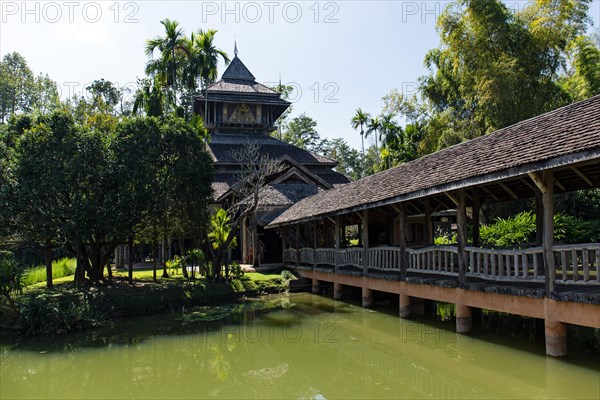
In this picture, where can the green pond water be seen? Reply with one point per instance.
(289, 346)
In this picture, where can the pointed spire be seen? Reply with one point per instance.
(235, 50)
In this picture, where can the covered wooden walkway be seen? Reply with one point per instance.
(393, 214)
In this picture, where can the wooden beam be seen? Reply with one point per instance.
(488, 191)
(508, 190)
(452, 197)
(415, 208)
(560, 185)
(539, 182)
(526, 183)
(583, 176)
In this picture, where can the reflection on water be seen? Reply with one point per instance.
(291, 346)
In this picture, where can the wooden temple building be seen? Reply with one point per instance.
(553, 153)
(237, 110)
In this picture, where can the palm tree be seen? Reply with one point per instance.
(202, 60)
(389, 132)
(373, 127)
(361, 119)
(170, 46)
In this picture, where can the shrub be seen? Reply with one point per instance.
(445, 239)
(176, 264)
(44, 313)
(520, 230)
(11, 277)
(236, 270)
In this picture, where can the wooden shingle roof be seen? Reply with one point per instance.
(567, 135)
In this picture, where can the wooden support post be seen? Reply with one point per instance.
(315, 286)
(548, 236)
(365, 235)
(461, 223)
(337, 232)
(402, 239)
(556, 338)
(337, 291)
(476, 210)
(545, 183)
(463, 319)
(539, 217)
(367, 297)
(404, 303)
(428, 223)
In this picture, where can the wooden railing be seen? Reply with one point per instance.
(434, 259)
(307, 256)
(384, 258)
(350, 257)
(499, 264)
(325, 257)
(289, 256)
(577, 263)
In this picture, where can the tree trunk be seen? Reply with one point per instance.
(130, 272)
(154, 262)
(182, 248)
(164, 252)
(48, 256)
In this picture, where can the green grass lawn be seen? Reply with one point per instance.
(145, 275)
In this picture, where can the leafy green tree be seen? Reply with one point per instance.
(583, 80)
(104, 96)
(350, 161)
(17, 86)
(302, 133)
(496, 67)
(44, 150)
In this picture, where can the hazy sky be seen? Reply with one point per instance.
(339, 55)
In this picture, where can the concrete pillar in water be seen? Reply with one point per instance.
(556, 338)
(337, 291)
(367, 297)
(315, 286)
(463, 319)
(404, 306)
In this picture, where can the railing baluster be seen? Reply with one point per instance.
(493, 259)
(597, 251)
(516, 261)
(586, 264)
(564, 264)
(525, 265)
(575, 265)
